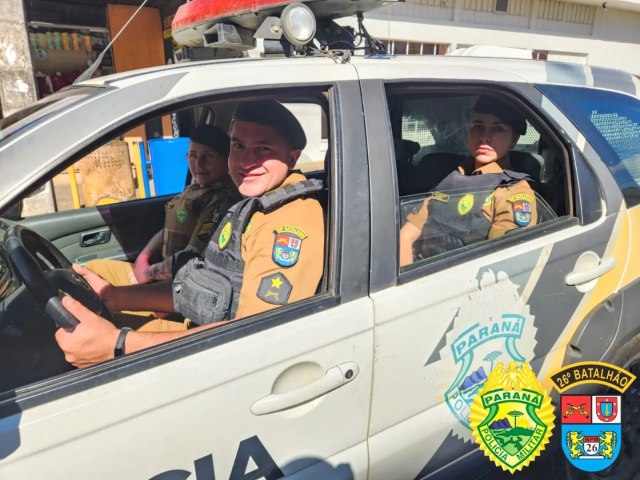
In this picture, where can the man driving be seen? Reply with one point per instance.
(267, 251)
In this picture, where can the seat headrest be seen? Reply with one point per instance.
(525, 162)
(405, 149)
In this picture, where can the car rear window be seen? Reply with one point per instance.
(611, 123)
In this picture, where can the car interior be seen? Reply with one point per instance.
(430, 141)
(48, 243)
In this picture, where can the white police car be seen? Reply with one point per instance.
(373, 376)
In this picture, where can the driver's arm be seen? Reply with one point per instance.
(94, 338)
(150, 296)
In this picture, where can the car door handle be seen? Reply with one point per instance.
(335, 377)
(576, 278)
(97, 237)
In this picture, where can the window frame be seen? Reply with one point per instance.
(538, 121)
(342, 102)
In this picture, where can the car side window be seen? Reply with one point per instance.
(150, 160)
(611, 121)
(290, 258)
(449, 201)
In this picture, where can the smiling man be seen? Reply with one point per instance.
(483, 198)
(267, 251)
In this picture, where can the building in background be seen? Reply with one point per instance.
(591, 32)
(46, 43)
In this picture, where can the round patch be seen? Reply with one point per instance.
(465, 204)
(225, 236)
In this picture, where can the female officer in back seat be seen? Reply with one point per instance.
(483, 198)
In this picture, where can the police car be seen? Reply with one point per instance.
(372, 377)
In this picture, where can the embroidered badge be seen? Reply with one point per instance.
(520, 196)
(205, 231)
(274, 289)
(181, 214)
(587, 443)
(441, 197)
(521, 213)
(287, 245)
(512, 417)
(591, 424)
(465, 204)
(225, 236)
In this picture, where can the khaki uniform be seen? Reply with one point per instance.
(191, 217)
(303, 216)
(270, 277)
(499, 212)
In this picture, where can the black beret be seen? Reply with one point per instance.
(212, 137)
(273, 114)
(504, 112)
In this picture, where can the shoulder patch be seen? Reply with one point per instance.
(521, 213)
(274, 289)
(205, 230)
(520, 196)
(287, 245)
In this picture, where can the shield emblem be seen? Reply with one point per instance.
(590, 445)
(606, 408)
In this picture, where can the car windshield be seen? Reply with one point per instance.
(19, 120)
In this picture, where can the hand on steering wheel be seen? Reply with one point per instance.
(48, 275)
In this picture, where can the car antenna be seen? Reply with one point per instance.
(96, 63)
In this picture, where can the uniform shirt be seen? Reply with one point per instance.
(263, 273)
(192, 216)
(498, 212)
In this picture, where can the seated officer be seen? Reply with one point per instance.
(483, 198)
(267, 251)
(190, 217)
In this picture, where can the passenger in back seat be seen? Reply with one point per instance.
(483, 198)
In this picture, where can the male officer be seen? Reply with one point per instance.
(190, 217)
(267, 251)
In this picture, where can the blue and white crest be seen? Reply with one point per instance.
(591, 442)
(287, 245)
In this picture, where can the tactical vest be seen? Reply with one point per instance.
(208, 290)
(455, 211)
(181, 217)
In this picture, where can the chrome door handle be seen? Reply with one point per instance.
(96, 237)
(334, 378)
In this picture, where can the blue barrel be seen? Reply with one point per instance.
(169, 165)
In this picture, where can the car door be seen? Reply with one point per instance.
(449, 320)
(286, 392)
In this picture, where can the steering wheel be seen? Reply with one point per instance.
(48, 275)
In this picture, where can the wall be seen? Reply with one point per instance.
(613, 39)
(17, 87)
